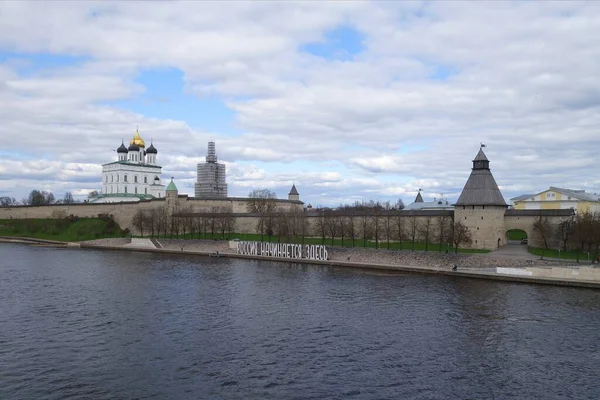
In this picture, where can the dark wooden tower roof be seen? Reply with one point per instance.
(481, 188)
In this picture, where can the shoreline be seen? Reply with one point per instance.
(472, 273)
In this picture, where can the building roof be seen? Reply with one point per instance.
(430, 205)
(293, 191)
(578, 195)
(481, 156)
(122, 148)
(133, 164)
(171, 187)
(151, 149)
(481, 188)
(137, 140)
(522, 197)
(419, 198)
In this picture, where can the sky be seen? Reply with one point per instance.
(346, 100)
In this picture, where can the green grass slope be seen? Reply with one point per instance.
(65, 229)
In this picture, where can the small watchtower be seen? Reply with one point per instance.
(293, 195)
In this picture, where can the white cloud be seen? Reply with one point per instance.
(520, 77)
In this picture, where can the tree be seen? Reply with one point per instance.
(321, 225)
(40, 198)
(264, 203)
(399, 205)
(443, 229)
(400, 230)
(543, 227)
(351, 228)
(331, 224)
(413, 230)
(460, 235)
(425, 230)
(68, 199)
(6, 201)
(564, 231)
(139, 221)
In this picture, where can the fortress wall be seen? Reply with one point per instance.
(124, 212)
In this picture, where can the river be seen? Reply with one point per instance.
(111, 324)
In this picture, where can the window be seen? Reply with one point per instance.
(117, 178)
(145, 190)
(111, 178)
(145, 179)
(106, 178)
(136, 190)
(125, 178)
(135, 179)
(125, 189)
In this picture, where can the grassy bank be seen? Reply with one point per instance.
(564, 255)
(63, 229)
(407, 245)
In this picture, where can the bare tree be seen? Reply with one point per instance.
(388, 222)
(264, 203)
(443, 229)
(331, 224)
(400, 229)
(351, 228)
(460, 235)
(582, 231)
(564, 231)
(321, 225)
(139, 221)
(399, 205)
(40, 198)
(426, 230)
(68, 199)
(543, 228)
(413, 230)
(6, 201)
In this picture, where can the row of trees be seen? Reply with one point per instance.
(219, 222)
(358, 224)
(579, 233)
(37, 198)
(365, 221)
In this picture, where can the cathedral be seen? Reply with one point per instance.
(133, 176)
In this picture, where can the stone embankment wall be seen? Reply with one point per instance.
(367, 256)
(429, 259)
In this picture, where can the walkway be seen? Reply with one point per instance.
(514, 250)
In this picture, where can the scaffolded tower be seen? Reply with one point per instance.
(210, 182)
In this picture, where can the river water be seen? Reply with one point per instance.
(105, 325)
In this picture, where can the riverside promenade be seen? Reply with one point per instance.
(474, 266)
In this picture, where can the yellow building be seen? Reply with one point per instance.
(557, 199)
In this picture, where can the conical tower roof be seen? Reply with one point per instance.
(481, 188)
(171, 187)
(419, 198)
(293, 191)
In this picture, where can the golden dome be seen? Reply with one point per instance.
(137, 140)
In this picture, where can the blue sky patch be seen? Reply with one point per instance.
(165, 97)
(29, 64)
(341, 43)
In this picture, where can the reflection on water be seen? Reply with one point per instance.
(91, 324)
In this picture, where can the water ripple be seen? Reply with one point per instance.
(102, 325)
